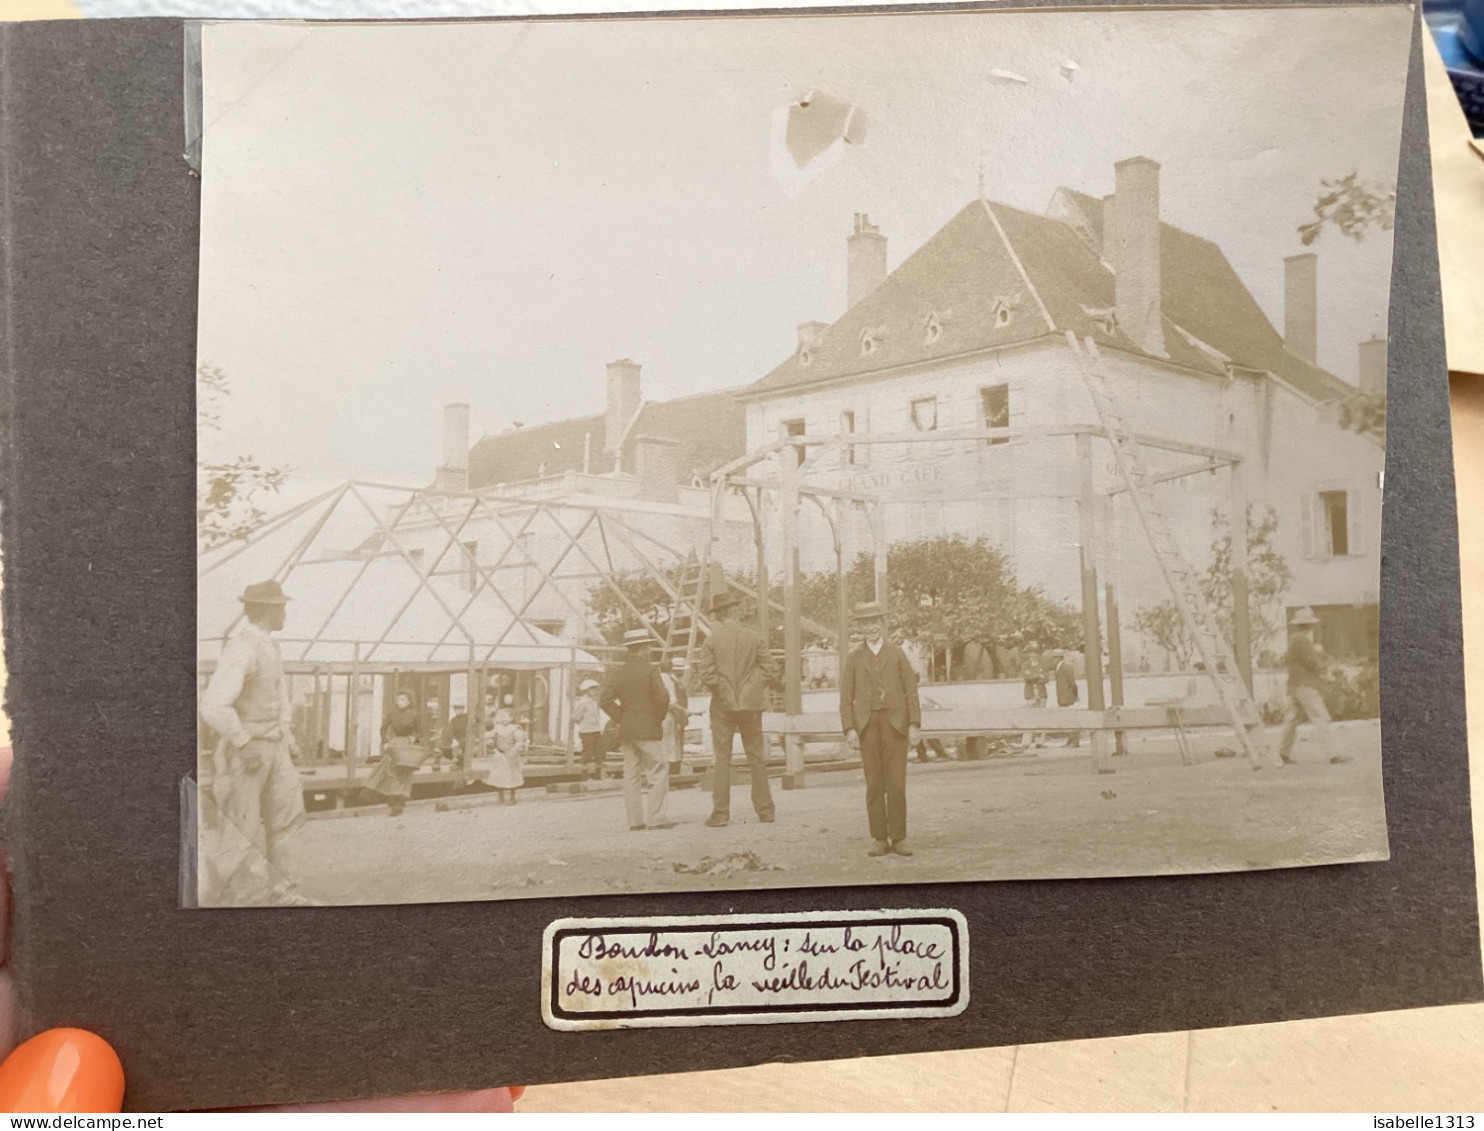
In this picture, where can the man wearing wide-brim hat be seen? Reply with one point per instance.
(880, 712)
(735, 665)
(254, 803)
(1305, 702)
(634, 696)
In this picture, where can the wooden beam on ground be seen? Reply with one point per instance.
(1017, 720)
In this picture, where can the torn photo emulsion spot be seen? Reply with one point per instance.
(718, 453)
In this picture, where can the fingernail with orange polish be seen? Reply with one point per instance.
(62, 1071)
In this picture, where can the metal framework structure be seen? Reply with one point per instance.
(422, 586)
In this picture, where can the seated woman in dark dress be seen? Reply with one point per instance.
(404, 747)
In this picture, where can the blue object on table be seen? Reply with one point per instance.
(1457, 28)
(1471, 30)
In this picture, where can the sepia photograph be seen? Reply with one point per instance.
(658, 454)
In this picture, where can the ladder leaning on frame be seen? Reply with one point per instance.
(1190, 599)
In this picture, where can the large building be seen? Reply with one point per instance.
(970, 333)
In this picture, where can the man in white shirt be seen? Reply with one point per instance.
(254, 802)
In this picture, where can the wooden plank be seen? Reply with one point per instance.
(981, 720)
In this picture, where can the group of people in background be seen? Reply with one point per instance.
(1037, 670)
(407, 745)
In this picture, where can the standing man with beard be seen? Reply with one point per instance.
(254, 789)
(881, 713)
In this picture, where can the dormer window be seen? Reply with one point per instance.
(932, 329)
(869, 342)
(805, 357)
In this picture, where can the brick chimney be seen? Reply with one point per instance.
(1110, 218)
(1133, 253)
(1301, 306)
(453, 474)
(623, 402)
(1373, 366)
(657, 467)
(865, 259)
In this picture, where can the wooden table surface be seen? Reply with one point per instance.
(1424, 1060)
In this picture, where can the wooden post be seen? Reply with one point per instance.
(879, 551)
(311, 723)
(569, 727)
(763, 618)
(1115, 662)
(1091, 635)
(793, 679)
(322, 700)
(471, 710)
(353, 716)
(842, 595)
(322, 735)
(1241, 606)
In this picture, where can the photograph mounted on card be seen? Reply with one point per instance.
(689, 454)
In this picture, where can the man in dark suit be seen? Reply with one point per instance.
(880, 714)
(735, 665)
(634, 697)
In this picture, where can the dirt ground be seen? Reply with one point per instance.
(1046, 816)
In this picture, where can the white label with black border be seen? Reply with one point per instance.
(754, 969)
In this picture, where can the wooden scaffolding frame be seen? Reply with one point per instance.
(1105, 715)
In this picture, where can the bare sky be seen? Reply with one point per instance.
(396, 217)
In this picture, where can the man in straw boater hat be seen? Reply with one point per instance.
(255, 800)
(1305, 665)
(735, 665)
(634, 696)
(880, 713)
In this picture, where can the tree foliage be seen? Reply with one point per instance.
(1365, 413)
(945, 592)
(1352, 207)
(1267, 580)
(950, 590)
(227, 491)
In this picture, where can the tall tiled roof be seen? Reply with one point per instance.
(996, 276)
(711, 429)
(517, 455)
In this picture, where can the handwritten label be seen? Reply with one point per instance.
(754, 969)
